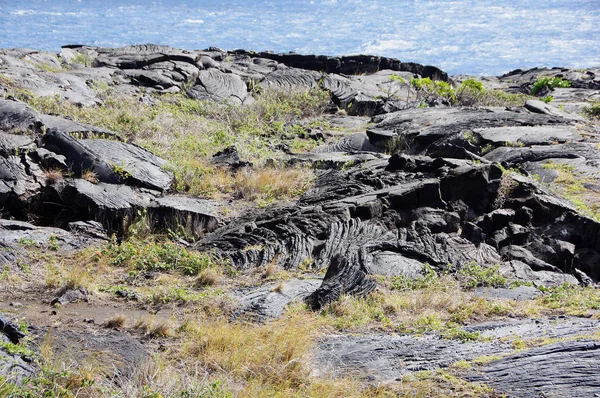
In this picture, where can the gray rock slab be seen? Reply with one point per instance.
(196, 216)
(426, 126)
(13, 233)
(16, 115)
(142, 166)
(270, 301)
(358, 142)
(519, 293)
(565, 369)
(117, 353)
(525, 135)
(11, 144)
(387, 357)
(333, 160)
(217, 86)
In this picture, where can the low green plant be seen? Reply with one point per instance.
(152, 255)
(545, 82)
(570, 298)
(472, 275)
(455, 333)
(27, 242)
(428, 89)
(428, 279)
(547, 99)
(53, 243)
(570, 184)
(82, 59)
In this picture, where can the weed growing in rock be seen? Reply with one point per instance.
(592, 111)
(82, 59)
(53, 176)
(548, 83)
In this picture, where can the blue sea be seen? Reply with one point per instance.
(460, 36)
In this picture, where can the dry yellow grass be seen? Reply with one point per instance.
(273, 353)
(117, 321)
(261, 184)
(268, 184)
(53, 176)
(208, 277)
(90, 176)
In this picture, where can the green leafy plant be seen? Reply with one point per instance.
(27, 242)
(550, 83)
(472, 275)
(53, 243)
(429, 89)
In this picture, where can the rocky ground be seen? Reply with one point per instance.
(214, 223)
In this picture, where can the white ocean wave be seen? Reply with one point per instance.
(388, 45)
(22, 12)
(194, 21)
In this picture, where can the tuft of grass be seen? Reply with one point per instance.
(208, 277)
(570, 299)
(53, 176)
(271, 184)
(592, 111)
(263, 185)
(439, 383)
(82, 59)
(570, 185)
(90, 176)
(117, 321)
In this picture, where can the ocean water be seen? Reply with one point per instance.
(460, 36)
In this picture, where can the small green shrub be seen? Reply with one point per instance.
(473, 275)
(471, 84)
(548, 83)
(547, 99)
(428, 89)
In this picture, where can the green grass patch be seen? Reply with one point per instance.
(153, 255)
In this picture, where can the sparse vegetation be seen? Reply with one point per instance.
(548, 83)
(53, 176)
(592, 111)
(187, 132)
(117, 321)
(471, 92)
(151, 255)
(90, 176)
(570, 184)
(82, 59)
